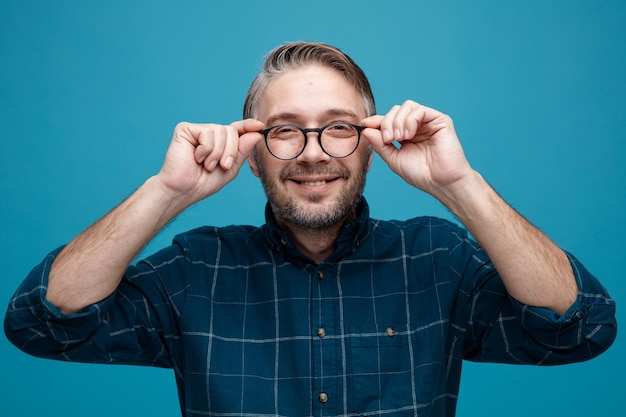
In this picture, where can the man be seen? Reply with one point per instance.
(323, 310)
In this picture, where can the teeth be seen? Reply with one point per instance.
(313, 183)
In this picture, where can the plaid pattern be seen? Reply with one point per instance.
(252, 327)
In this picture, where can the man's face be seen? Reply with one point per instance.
(314, 190)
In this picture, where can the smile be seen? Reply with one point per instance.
(314, 177)
(312, 183)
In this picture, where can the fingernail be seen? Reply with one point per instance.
(406, 133)
(386, 134)
(211, 165)
(398, 134)
(228, 163)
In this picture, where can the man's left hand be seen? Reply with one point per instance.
(419, 144)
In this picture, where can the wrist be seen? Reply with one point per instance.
(468, 197)
(160, 201)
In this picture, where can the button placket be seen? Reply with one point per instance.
(324, 347)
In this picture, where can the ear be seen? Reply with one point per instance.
(253, 165)
(370, 158)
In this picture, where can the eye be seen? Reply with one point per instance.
(284, 132)
(340, 130)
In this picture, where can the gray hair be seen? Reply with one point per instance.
(299, 54)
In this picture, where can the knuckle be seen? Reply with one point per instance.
(446, 118)
(207, 147)
(181, 127)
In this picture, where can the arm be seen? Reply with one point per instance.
(201, 159)
(533, 269)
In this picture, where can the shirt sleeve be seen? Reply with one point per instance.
(131, 326)
(505, 330)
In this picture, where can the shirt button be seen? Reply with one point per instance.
(321, 332)
(323, 397)
(320, 275)
(391, 332)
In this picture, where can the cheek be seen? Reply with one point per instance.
(363, 160)
(258, 160)
(266, 167)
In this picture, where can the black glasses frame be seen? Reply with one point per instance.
(317, 130)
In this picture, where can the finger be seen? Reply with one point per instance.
(376, 140)
(406, 120)
(231, 147)
(247, 142)
(430, 122)
(386, 126)
(249, 136)
(187, 132)
(203, 144)
(212, 142)
(372, 121)
(374, 136)
(247, 125)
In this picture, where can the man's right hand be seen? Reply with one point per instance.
(203, 158)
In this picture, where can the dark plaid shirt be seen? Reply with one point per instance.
(251, 326)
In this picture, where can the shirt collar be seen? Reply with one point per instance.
(349, 240)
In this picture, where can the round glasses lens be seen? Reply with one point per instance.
(285, 142)
(339, 139)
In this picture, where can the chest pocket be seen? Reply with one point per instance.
(392, 370)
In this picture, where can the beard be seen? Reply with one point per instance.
(312, 213)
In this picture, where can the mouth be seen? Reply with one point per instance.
(314, 183)
(314, 178)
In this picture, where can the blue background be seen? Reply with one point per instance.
(90, 92)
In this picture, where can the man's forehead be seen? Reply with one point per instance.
(310, 91)
(302, 117)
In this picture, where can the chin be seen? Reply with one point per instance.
(314, 214)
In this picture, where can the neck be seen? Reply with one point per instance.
(316, 243)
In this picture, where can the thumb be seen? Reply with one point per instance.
(249, 136)
(373, 121)
(247, 142)
(247, 125)
(387, 151)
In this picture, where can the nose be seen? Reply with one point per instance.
(313, 152)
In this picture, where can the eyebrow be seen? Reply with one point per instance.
(298, 118)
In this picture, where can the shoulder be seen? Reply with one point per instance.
(211, 232)
(218, 235)
(423, 234)
(418, 225)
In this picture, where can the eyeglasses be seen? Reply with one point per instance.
(337, 140)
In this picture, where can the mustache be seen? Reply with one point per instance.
(340, 172)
